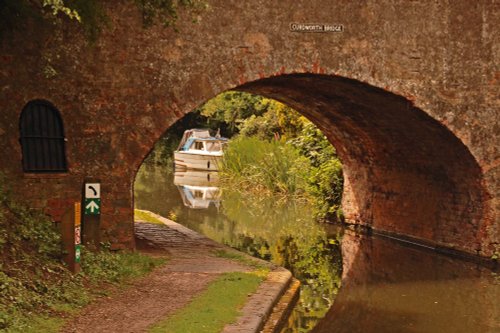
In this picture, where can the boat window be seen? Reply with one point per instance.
(213, 146)
(42, 138)
(198, 145)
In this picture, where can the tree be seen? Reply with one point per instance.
(58, 6)
(90, 13)
(253, 115)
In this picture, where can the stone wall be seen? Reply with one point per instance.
(408, 93)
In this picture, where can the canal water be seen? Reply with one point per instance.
(350, 282)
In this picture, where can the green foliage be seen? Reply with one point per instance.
(214, 308)
(259, 160)
(325, 187)
(166, 11)
(58, 6)
(252, 115)
(34, 284)
(325, 175)
(15, 13)
(313, 144)
(267, 166)
(279, 121)
(24, 229)
(232, 107)
(116, 267)
(275, 167)
(92, 16)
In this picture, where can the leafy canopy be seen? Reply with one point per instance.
(253, 115)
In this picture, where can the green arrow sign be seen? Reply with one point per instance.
(92, 206)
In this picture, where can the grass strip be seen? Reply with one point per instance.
(216, 307)
(142, 216)
(240, 258)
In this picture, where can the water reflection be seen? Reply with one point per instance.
(198, 189)
(390, 287)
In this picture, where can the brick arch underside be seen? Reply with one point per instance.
(405, 173)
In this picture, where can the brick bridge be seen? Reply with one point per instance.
(407, 93)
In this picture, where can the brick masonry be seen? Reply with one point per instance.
(408, 94)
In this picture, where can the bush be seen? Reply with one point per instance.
(326, 185)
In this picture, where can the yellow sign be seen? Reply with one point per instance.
(78, 213)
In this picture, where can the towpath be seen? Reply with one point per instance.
(192, 265)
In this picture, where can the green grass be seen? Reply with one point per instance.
(38, 324)
(304, 168)
(140, 216)
(216, 307)
(240, 258)
(117, 267)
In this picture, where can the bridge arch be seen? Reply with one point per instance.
(425, 152)
(405, 173)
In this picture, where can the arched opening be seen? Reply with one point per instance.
(258, 202)
(406, 174)
(42, 138)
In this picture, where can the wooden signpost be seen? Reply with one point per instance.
(78, 233)
(80, 225)
(71, 232)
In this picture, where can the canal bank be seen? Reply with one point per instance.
(194, 263)
(283, 232)
(350, 282)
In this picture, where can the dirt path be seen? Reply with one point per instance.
(150, 299)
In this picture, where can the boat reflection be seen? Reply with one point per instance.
(198, 189)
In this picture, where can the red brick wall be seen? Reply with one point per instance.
(420, 154)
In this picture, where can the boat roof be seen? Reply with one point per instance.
(197, 134)
(210, 139)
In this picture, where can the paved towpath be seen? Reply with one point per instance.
(192, 265)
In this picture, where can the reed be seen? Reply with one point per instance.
(265, 166)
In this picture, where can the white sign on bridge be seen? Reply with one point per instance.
(316, 27)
